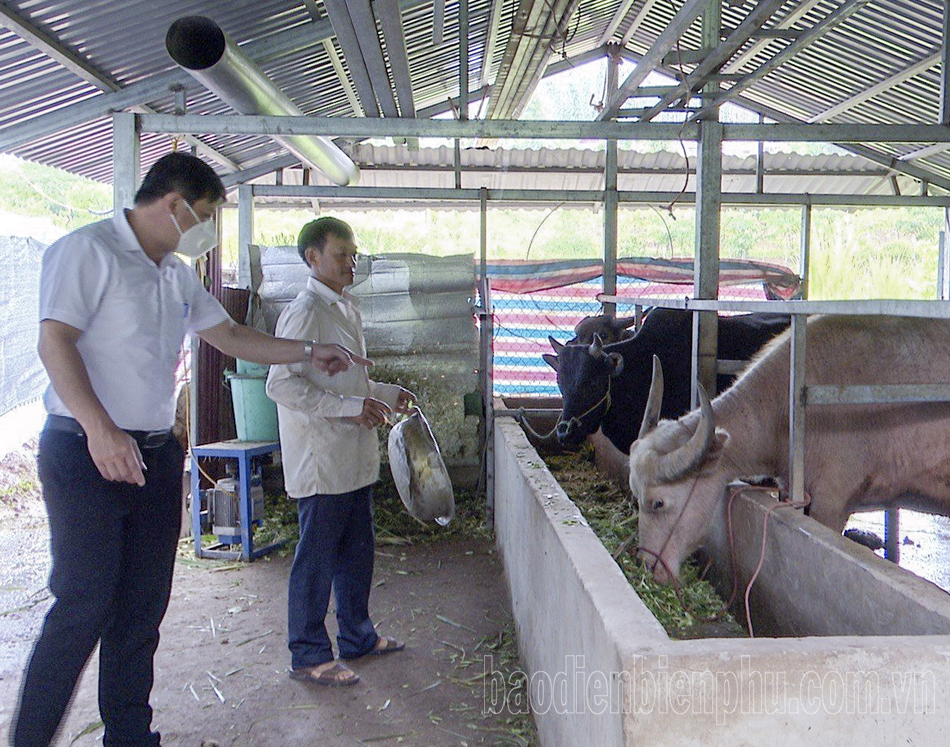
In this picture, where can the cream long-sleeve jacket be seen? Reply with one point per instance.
(322, 451)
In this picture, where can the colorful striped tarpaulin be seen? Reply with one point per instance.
(533, 300)
(525, 276)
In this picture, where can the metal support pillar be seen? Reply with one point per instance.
(194, 343)
(891, 517)
(706, 263)
(490, 450)
(804, 257)
(126, 166)
(796, 412)
(760, 163)
(245, 233)
(611, 200)
(945, 68)
(942, 266)
(892, 532)
(486, 361)
(483, 233)
(946, 234)
(463, 59)
(463, 85)
(708, 210)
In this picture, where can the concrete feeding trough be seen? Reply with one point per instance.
(861, 653)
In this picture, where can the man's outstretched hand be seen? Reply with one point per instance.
(334, 359)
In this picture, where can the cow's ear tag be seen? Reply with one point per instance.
(615, 361)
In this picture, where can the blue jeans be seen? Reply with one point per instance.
(113, 546)
(336, 549)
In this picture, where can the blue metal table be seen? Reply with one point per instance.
(243, 452)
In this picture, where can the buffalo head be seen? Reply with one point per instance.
(583, 376)
(609, 328)
(676, 479)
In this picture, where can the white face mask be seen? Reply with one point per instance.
(198, 240)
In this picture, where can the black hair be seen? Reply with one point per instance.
(314, 234)
(188, 175)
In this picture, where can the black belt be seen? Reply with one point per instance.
(145, 439)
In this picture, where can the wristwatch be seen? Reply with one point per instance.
(308, 349)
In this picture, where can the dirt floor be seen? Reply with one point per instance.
(221, 668)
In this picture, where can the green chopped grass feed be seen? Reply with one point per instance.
(613, 520)
(394, 525)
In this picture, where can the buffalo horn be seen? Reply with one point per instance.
(688, 457)
(651, 415)
(596, 348)
(555, 344)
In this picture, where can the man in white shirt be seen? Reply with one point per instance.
(115, 305)
(330, 453)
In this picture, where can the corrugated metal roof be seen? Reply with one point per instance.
(558, 169)
(125, 42)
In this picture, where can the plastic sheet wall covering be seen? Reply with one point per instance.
(22, 376)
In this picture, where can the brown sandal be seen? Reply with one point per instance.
(390, 646)
(330, 677)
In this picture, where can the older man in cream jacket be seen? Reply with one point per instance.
(330, 453)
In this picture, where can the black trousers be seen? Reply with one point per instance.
(113, 548)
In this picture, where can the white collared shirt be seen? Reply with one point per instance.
(322, 450)
(133, 315)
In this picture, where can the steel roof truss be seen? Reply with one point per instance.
(227, 124)
(842, 13)
(719, 56)
(341, 75)
(945, 68)
(438, 22)
(364, 23)
(339, 14)
(80, 67)
(789, 20)
(875, 156)
(615, 22)
(683, 19)
(154, 87)
(930, 150)
(273, 164)
(637, 21)
(390, 19)
(491, 41)
(53, 49)
(523, 46)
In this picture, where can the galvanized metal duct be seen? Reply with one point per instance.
(202, 48)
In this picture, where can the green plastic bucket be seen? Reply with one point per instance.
(251, 369)
(255, 415)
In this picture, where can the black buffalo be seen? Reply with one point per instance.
(584, 370)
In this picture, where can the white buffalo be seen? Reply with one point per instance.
(857, 457)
